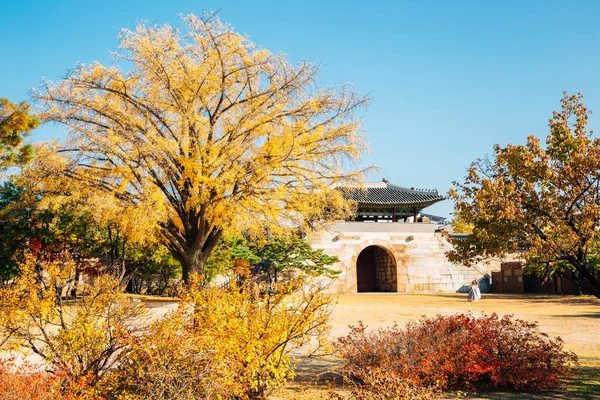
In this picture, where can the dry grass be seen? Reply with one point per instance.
(574, 318)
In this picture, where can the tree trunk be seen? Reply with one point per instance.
(194, 257)
(191, 265)
(191, 240)
(592, 279)
(582, 271)
(130, 288)
(577, 282)
(73, 294)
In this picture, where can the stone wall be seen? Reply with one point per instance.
(418, 251)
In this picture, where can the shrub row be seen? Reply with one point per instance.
(220, 343)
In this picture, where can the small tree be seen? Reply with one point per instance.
(539, 201)
(232, 255)
(293, 253)
(270, 258)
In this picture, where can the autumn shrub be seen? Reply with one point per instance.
(226, 343)
(458, 352)
(78, 341)
(167, 363)
(379, 384)
(24, 381)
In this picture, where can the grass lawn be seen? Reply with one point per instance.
(574, 318)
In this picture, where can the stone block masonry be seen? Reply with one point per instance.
(396, 257)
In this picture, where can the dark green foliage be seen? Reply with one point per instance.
(150, 269)
(14, 229)
(270, 259)
(24, 225)
(289, 253)
(231, 254)
(15, 123)
(71, 231)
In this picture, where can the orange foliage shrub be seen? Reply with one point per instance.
(457, 352)
(26, 382)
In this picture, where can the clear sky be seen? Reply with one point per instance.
(448, 79)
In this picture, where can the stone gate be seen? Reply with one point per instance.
(390, 245)
(396, 257)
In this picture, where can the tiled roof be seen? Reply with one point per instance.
(380, 194)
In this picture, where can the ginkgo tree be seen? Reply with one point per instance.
(211, 131)
(541, 202)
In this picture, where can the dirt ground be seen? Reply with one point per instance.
(574, 318)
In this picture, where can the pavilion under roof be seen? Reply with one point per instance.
(385, 201)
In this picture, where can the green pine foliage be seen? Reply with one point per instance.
(16, 122)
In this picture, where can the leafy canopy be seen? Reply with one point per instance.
(294, 253)
(539, 201)
(214, 133)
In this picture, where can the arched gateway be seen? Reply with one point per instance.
(376, 270)
(390, 245)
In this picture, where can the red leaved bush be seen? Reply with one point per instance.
(459, 352)
(28, 382)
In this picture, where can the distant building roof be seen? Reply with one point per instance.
(435, 218)
(384, 194)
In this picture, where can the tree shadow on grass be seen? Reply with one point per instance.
(587, 382)
(584, 386)
(534, 298)
(320, 373)
(592, 315)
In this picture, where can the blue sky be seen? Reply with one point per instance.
(448, 79)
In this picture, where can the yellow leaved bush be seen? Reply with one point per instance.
(227, 343)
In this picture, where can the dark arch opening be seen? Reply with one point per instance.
(376, 270)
